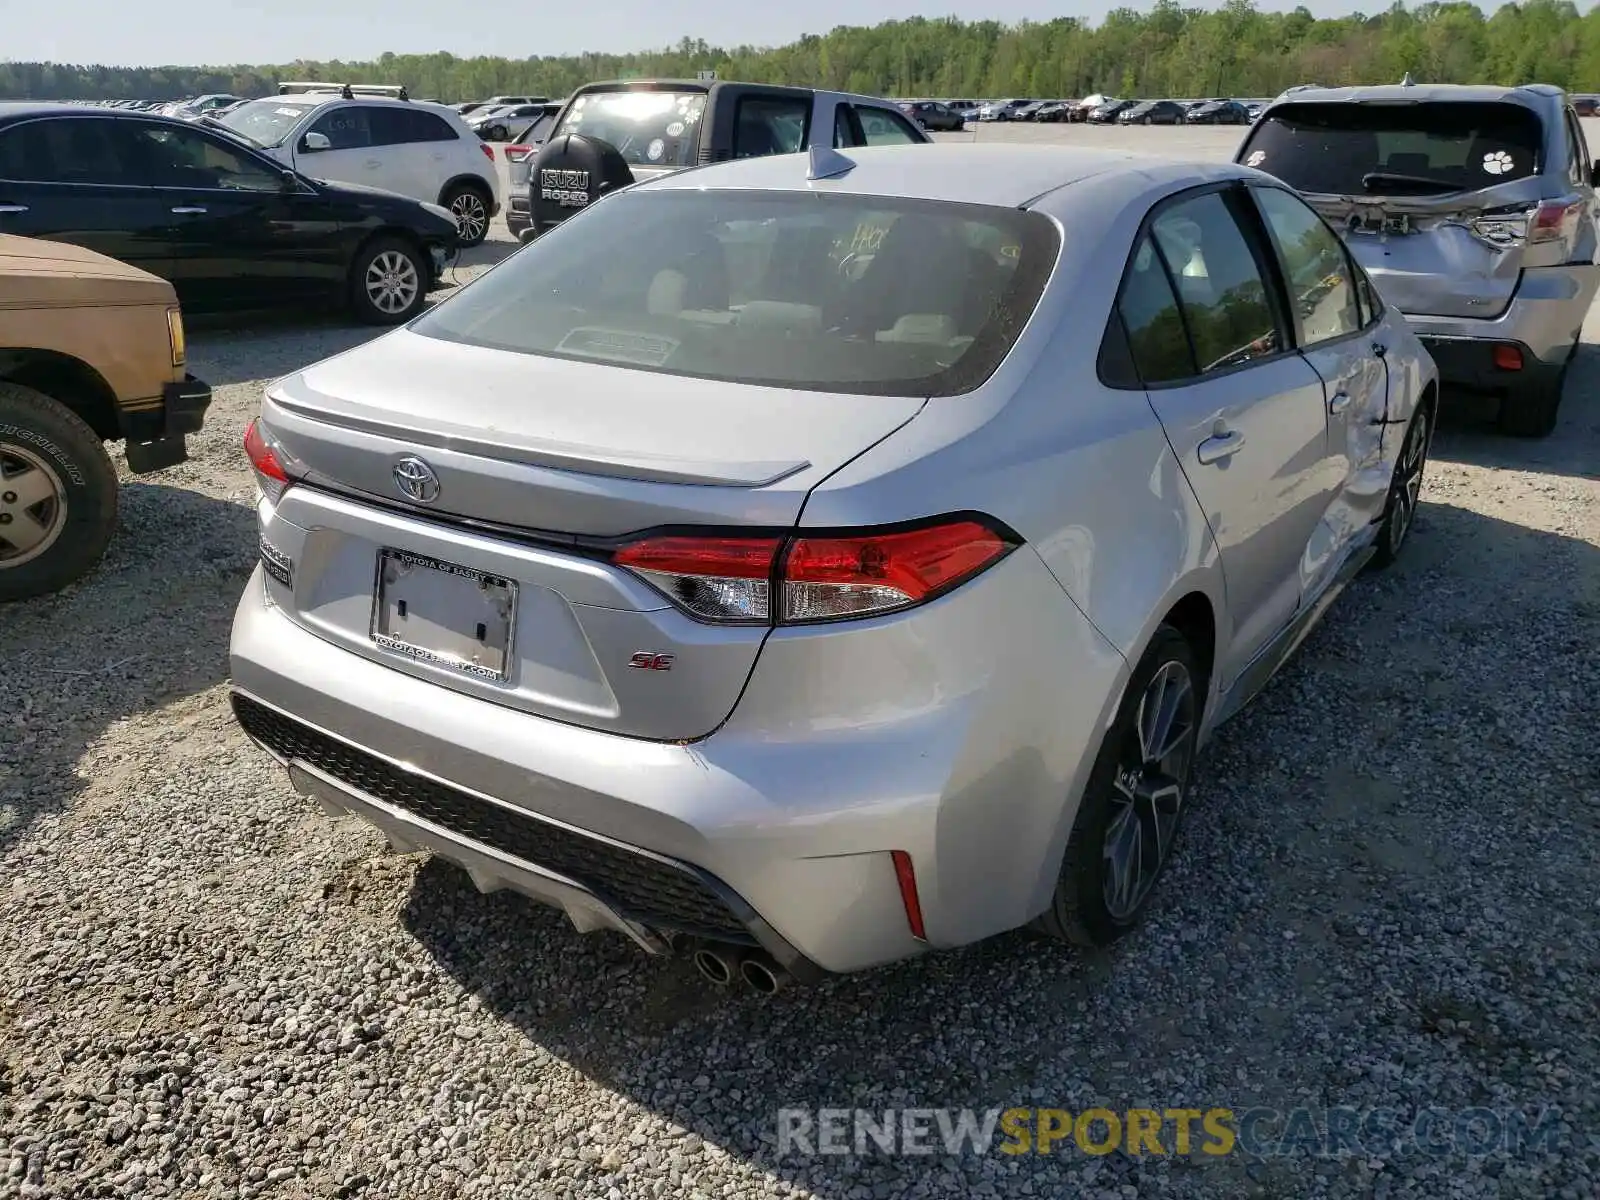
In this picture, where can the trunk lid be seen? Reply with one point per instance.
(535, 458)
(1455, 255)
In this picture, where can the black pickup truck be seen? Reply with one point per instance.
(609, 135)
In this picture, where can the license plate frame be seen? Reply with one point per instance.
(407, 624)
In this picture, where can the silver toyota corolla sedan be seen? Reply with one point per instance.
(808, 561)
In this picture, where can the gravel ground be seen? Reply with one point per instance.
(1386, 898)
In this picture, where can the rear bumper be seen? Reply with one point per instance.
(1544, 319)
(518, 214)
(154, 436)
(1469, 363)
(775, 830)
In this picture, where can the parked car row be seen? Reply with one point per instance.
(370, 136)
(227, 219)
(1095, 108)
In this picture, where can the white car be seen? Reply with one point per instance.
(376, 137)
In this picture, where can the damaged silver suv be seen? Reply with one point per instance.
(1473, 210)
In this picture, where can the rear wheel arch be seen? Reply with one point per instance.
(70, 382)
(476, 182)
(1194, 617)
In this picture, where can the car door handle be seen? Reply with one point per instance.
(373, 164)
(13, 208)
(1219, 447)
(1338, 402)
(188, 209)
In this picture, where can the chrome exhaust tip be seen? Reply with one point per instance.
(763, 975)
(714, 966)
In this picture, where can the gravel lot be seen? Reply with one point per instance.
(1386, 899)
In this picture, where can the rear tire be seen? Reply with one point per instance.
(388, 282)
(1405, 491)
(1531, 412)
(470, 207)
(58, 495)
(1131, 808)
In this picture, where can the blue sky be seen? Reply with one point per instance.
(143, 33)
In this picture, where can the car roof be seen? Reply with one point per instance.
(1005, 174)
(1531, 93)
(39, 108)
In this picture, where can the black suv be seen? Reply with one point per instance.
(229, 227)
(609, 135)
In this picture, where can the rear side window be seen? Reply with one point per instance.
(1219, 283)
(1156, 336)
(402, 126)
(347, 127)
(1316, 269)
(650, 129)
(880, 127)
(67, 150)
(1395, 149)
(836, 293)
(1577, 150)
(770, 125)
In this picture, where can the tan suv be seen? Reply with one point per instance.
(91, 351)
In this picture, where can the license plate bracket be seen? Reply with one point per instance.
(443, 614)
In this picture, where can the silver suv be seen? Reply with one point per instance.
(1473, 209)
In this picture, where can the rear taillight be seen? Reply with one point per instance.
(1552, 220)
(518, 153)
(488, 150)
(715, 578)
(264, 460)
(810, 578)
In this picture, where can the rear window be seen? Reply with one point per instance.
(859, 294)
(1395, 149)
(649, 129)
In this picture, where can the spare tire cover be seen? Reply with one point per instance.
(570, 173)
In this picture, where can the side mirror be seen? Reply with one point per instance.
(314, 142)
(1594, 175)
(288, 181)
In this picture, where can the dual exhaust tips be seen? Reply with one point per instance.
(755, 968)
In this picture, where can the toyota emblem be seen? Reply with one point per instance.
(416, 480)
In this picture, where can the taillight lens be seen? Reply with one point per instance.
(717, 578)
(264, 460)
(488, 150)
(796, 581)
(1552, 219)
(828, 578)
(518, 153)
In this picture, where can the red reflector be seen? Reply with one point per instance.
(1508, 358)
(488, 151)
(262, 456)
(720, 557)
(915, 563)
(908, 893)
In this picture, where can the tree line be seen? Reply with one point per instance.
(1169, 50)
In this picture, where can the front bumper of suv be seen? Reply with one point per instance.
(775, 831)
